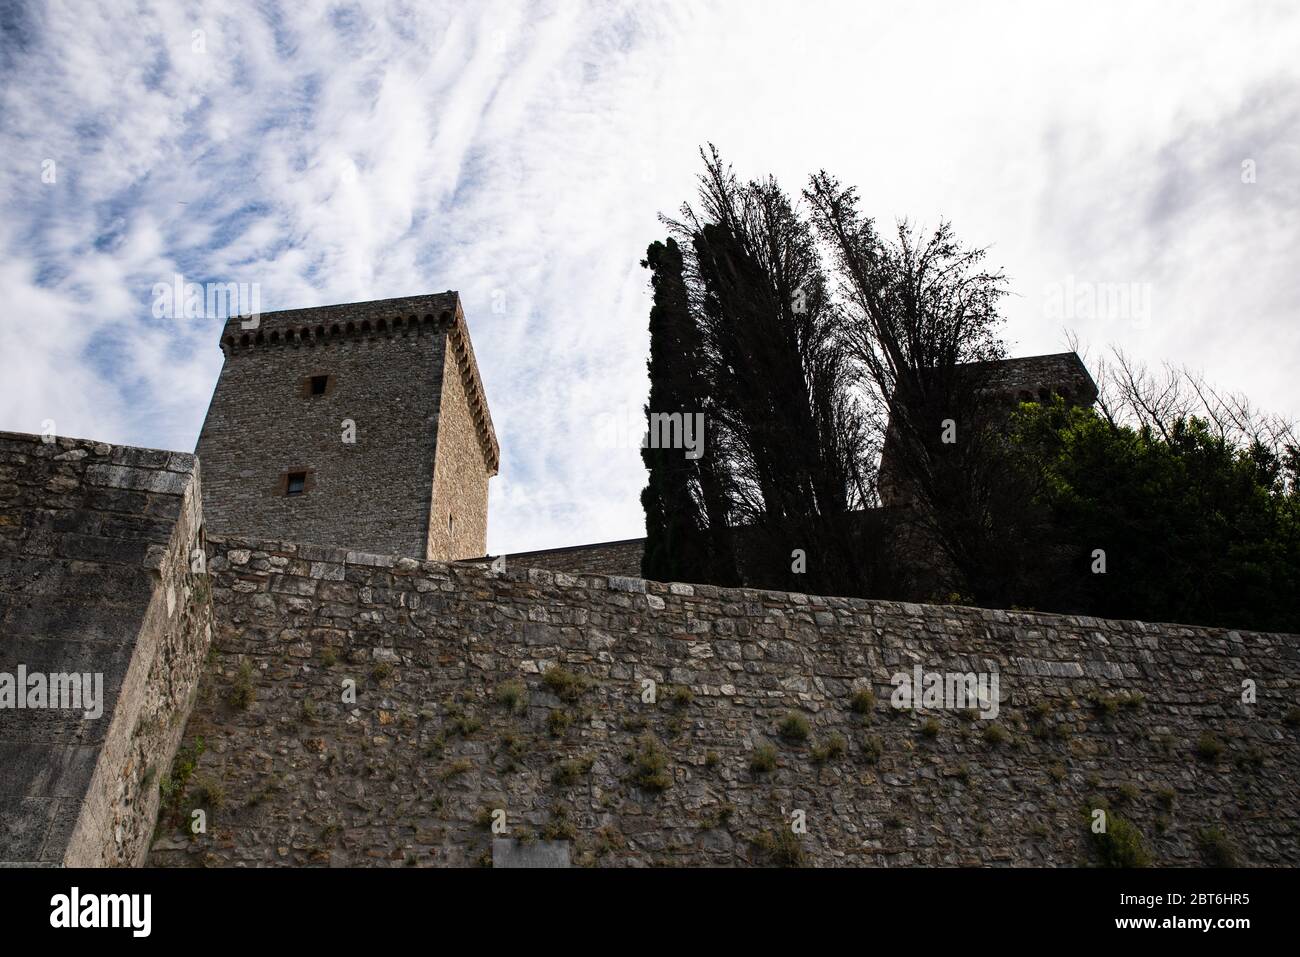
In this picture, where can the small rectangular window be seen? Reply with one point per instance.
(295, 483)
(318, 383)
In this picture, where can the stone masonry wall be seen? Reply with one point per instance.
(603, 558)
(523, 694)
(460, 476)
(95, 577)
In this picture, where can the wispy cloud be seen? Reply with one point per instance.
(519, 152)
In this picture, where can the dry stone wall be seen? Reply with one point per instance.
(520, 700)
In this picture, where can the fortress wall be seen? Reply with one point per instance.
(95, 578)
(410, 773)
(601, 558)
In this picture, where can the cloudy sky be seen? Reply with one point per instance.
(520, 153)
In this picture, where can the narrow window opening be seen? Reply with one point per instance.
(451, 524)
(318, 383)
(296, 483)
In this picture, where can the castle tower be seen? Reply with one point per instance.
(1008, 381)
(360, 426)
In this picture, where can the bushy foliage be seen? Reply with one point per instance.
(1194, 527)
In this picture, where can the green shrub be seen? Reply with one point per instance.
(559, 827)
(565, 685)
(762, 759)
(511, 695)
(995, 734)
(794, 727)
(930, 728)
(209, 794)
(872, 748)
(558, 721)
(1208, 747)
(1252, 759)
(1128, 793)
(457, 767)
(1105, 705)
(569, 772)
(831, 750)
(650, 764)
(1121, 844)
(241, 688)
(463, 725)
(681, 696)
(780, 847)
(171, 787)
(512, 748)
(1216, 848)
(863, 701)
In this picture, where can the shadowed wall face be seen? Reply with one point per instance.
(98, 581)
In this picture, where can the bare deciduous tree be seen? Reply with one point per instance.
(920, 320)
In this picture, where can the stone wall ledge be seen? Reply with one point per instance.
(1030, 621)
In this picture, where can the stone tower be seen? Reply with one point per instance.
(362, 426)
(1009, 381)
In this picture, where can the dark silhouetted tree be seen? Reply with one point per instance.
(921, 319)
(686, 500)
(785, 427)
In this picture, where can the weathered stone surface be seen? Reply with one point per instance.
(511, 853)
(96, 583)
(601, 558)
(401, 382)
(455, 717)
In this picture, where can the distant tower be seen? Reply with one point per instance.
(398, 378)
(1010, 382)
